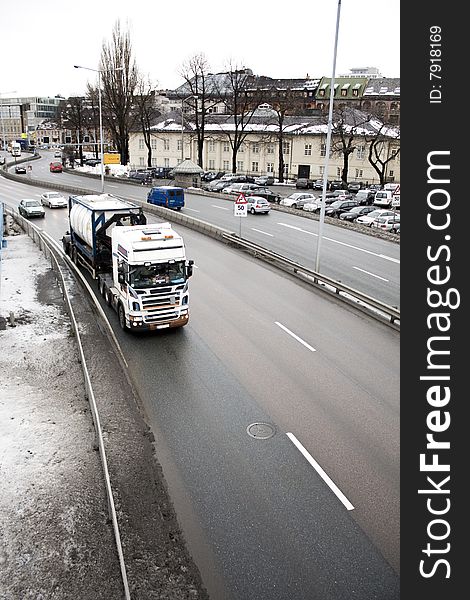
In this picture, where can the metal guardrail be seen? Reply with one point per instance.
(37, 236)
(376, 308)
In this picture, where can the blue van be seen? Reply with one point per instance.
(167, 195)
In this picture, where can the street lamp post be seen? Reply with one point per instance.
(3, 125)
(328, 144)
(183, 100)
(99, 71)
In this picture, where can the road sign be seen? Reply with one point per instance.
(240, 206)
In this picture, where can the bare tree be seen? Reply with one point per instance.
(384, 146)
(201, 96)
(241, 97)
(93, 116)
(72, 116)
(146, 111)
(119, 80)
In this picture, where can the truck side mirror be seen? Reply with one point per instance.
(121, 278)
(189, 268)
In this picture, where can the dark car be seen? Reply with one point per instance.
(264, 180)
(20, 170)
(338, 207)
(304, 184)
(92, 162)
(318, 185)
(242, 179)
(354, 186)
(337, 184)
(143, 178)
(217, 186)
(161, 172)
(267, 194)
(356, 211)
(211, 175)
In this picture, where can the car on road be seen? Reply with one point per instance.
(19, 170)
(297, 200)
(267, 194)
(304, 183)
(142, 177)
(55, 167)
(378, 212)
(385, 222)
(339, 206)
(31, 208)
(2, 160)
(355, 212)
(264, 180)
(256, 204)
(57, 154)
(312, 206)
(54, 200)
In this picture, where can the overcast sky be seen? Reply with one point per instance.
(42, 41)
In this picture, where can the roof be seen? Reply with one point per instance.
(385, 86)
(187, 167)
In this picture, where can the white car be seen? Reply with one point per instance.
(313, 206)
(386, 223)
(297, 200)
(57, 154)
(256, 204)
(379, 212)
(53, 200)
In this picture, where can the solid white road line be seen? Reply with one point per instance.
(372, 274)
(264, 232)
(221, 207)
(342, 243)
(296, 337)
(114, 186)
(329, 482)
(192, 209)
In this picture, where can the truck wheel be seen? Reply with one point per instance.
(122, 317)
(74, 256)
(102, 289)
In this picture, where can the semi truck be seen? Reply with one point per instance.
(141, 269)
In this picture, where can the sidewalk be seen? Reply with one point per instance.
(55, 538)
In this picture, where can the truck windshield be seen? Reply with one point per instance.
(154, 275)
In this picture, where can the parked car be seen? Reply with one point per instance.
(256, 204)
(355, 212)
(339, 206)
(264, 180)
(142, 177)
(379, 212)
(217, 185)
(57, 154)
(339, 195)
(55, 167)
(31, 208)
(211, 175)
(385, 222)
(318, 185)
(354, 186)
(240, 188)
(92, 162)
(297, 200)
(19, 170)
(53, 200)
(312, 206)
(337, 184)
(304, 183)
(395, 228)
(383, 198)
(267, 194)
(365, 196)
(161, 172)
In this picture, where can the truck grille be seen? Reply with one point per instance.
(160, 303)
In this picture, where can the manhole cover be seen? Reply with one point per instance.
(260, 431)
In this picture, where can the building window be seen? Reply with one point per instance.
(269, 167)
(242, 148)
(391, 173)
(226, 147)
(338, 172)
(153, 144)
(211, 164)
(355, 92)
(270, 149)
(322, 149)
(166, 144)
(308, 150)
(322, 171)
(154, 162)
(179, 145)
(256, 148)
(141, 161)
(321, 92)
(358, 173)
(141, 144)
(344, 92)
(226, 165)
(240, 166)
(360, 152)
(166, 162)
(211, 146)
(285, 147)
(254, 167)
(286, 170)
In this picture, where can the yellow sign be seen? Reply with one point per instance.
(24, 136)
(111, 158)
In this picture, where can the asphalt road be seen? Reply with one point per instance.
(260, 520)
(366, 263)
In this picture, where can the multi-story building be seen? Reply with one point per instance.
(303, 148)
(23, 115)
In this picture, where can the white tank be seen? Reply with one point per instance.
(80, 221)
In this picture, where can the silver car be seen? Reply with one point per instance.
(31, 208)
(53, 200)
(297, 200)
(256, 204)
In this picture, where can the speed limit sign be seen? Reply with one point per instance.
(240, 206)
